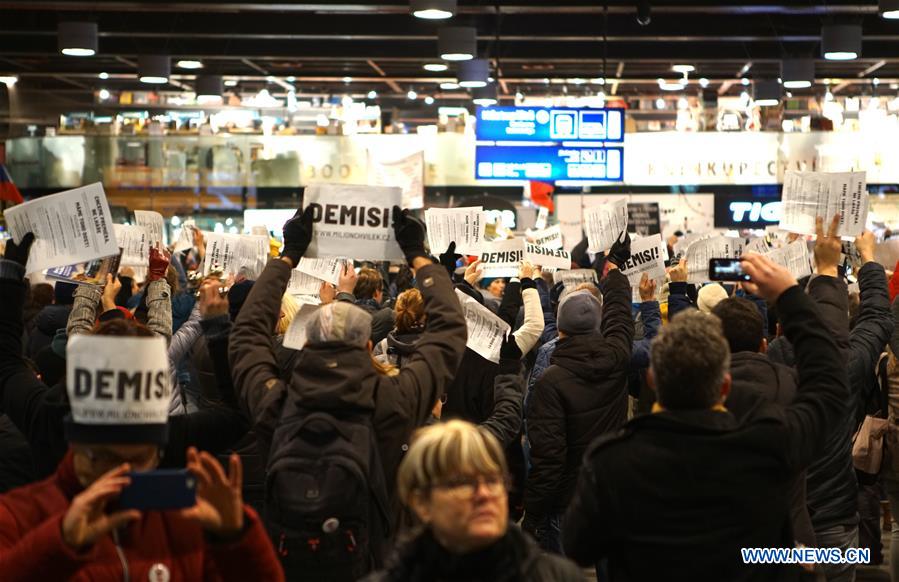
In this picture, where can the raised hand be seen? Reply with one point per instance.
(110, 291)
(159, 264)
(647, 288)
(346, 281)
(767, 279)
(212, 303)
(86, 521)
(297, 236)
(219, 508)
(473, 273)
(18, 252)
(865, 245)
(678, 273)
(828, 247)
(410, 235)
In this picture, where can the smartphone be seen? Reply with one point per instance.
(159, 490)
(726, 270)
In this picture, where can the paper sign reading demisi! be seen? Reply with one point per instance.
(118, 380)
(648, 256)
(501, 258)
(353, 221)
(547, 257)
(71, 227)
(464, 226)
(486, 330)
(808, 195)
(550, 238)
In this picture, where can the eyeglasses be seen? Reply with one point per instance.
(109, 459)
(465, 488)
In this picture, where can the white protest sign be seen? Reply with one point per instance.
(550, 238)
(71, 227)
(235, 254)
(808, 195)
(186, 236)
(407, 173)
(648, 256)
(887, 253)
(152, 221)
(542, 216)
(795, 257)
(757, 245)
(684, 242)
(118, 380)
(135, 245)
(353, 221)
(604, 224)
(699, 253)
(295, 338)
(322, 269)
(465, 226)
(574, 277)
(486, 330)
(303, 284)
(546, 257)
(501, 258)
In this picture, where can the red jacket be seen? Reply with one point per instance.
(32, 548)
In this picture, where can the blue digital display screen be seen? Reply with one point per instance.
(542, 124)
(549, 163)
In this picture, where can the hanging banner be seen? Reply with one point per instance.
(407, 173)
(71, 227)
(353, 221)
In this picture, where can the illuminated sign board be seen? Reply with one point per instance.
(540, 124)
(549, 163)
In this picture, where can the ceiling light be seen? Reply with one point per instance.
(209, 87)
(411, 95)
(9, 80)
(797, 73)
(449, 86)
(744, 81)
(644, 12)
(347, 79)
(703, 82)
(346, 101)
(103, 76)
(598, 81)
(875, 81)
(474, 73)
(484, 96)
(577, 81)
(429, 100)
(231, 83)
(766, 93)
(433, 9)
(841, 42)
(436, 67)
(77, 39)
(889, 9)
(153, 69)
(372, 94)
(104, 95)
(683, 69)
(188, 64)
(682, 103)
(666, 86)
(660, 103)
(457, 43)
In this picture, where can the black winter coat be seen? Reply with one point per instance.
(756, 379)
(675, 495)
(582, 395)
(44, 326)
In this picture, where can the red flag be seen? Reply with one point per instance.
(542, 194)
(8, 190)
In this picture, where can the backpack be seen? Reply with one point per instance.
(326, 497)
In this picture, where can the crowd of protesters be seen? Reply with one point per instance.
(643, 433)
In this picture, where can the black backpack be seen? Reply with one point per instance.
(326, 497)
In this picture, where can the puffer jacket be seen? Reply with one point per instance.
(32, 547)
(756, 379)
(515, 557)
(339, 377)
(582, 395)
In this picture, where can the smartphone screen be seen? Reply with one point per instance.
(159, 490)
(726, 270)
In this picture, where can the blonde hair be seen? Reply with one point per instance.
(447, 450)
(410, 311)
(289, 306)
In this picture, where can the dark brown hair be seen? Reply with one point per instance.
(368, 283)
(123, 327)
(410, 311)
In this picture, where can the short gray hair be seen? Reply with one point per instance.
(689, 359)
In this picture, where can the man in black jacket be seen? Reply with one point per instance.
(582, 395)
(677, 494)
(832, 487)
(756, 379)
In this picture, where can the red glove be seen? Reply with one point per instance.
(159, 264)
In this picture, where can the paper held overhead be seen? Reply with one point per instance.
(353, 221)
(235, 254)
(648, 256)
(605, 224)
(486, 331)
(502, 258)
(153, 222)
(70, 227)
(699, 253)
(135, 244)
(809, 195)
(464, 226)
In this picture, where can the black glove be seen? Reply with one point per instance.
(410, 234)
(509, 353)
(297, 235)
(18, 253)
(620, 251)
(528, 283)
(449, 258)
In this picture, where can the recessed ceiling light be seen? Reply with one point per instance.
(411, 95)
(231, 83)
(660, 103)
(433, 9)
(188, 64)
(103, 76)
(104, 95)
(744, 81)
(703, 82)
(429, 100)
(683, 69)
(372, 94)
(436, 67)
(666, 86)
(449, 86)
(291, 79)
(347, 79)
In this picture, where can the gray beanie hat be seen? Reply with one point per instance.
(580, 313)
(339, 322)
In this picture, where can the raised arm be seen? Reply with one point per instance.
(505, 421)
(874, 325)
(651, 316)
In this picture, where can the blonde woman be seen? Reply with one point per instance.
(454, 478)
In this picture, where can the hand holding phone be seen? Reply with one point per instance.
(159, 490)
(726, 270)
